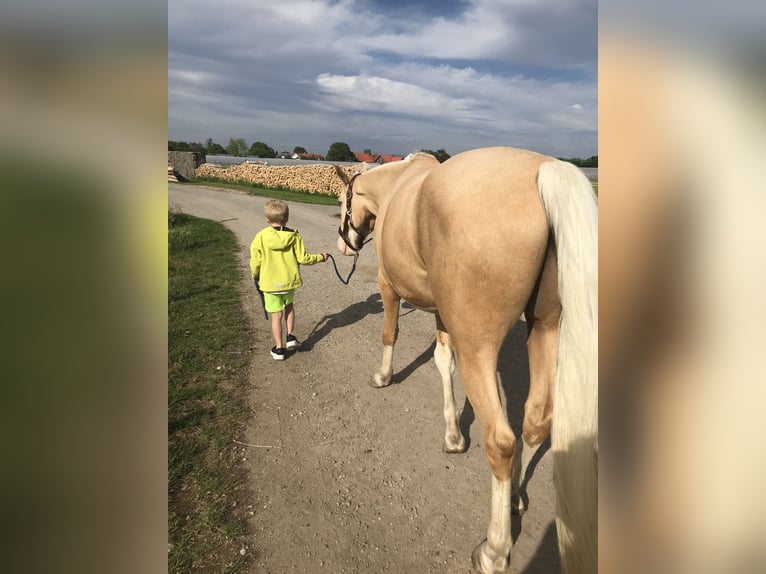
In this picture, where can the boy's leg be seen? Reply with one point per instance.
(276, 328)
(290, 318)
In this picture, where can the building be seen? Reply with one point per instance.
(314, 156)
(377, 158)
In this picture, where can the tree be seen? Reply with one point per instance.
(592, 161)
(177, 146)
(299, 149)
(213, 148)
(216, 149)
(439, 154)
(185, 146)
(260, 149)
(339, 151)
(236, 147)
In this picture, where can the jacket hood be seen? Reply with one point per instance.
(279, 239)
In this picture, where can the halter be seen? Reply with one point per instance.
(347, 223)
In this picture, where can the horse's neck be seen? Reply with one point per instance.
(389, 182)
(378, 192)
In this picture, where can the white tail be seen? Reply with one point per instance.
(570, 206)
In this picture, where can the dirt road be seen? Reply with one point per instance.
(354, 479)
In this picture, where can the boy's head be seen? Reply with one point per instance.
(276, 212)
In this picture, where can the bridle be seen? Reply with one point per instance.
(347, 223)
(343, 232)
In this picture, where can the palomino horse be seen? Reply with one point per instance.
(478, 240)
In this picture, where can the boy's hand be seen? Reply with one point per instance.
(324, 254)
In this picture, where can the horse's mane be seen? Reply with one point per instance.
(411, 157)
(418, 154)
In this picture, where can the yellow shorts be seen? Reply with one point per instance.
(276, 302)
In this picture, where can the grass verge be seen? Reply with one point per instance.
(283, 194)
(207, 408)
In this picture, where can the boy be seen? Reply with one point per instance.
(276, 254)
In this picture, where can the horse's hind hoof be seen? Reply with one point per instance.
(517, 509)
(454, 446)
(378, 381)
(486, 565)
(518, 502)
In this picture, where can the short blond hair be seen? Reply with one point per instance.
(276, 211)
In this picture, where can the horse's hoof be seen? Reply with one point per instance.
(452, 446)
(517, 504)
(379, 381)
(485, 564)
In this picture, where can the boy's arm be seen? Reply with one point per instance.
(303, 257)
(255, 258)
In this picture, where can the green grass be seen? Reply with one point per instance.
(284, 194)
(208, 346)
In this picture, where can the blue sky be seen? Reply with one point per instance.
(390, 76)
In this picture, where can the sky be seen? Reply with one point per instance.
(390, 76)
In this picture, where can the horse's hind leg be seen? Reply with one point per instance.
(478, 368)
(445, 362)
(477, 358)
(391, 302)
(542, 315)
(542, 345)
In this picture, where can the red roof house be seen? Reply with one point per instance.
(368, 158)
(377, 157)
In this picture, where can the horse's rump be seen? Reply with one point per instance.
(483, 233)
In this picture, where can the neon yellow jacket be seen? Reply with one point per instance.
(275, 258)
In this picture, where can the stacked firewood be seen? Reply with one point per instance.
(172, 173)
(310, 178)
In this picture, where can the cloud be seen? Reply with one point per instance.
(551, 33)
(312, 72)
(376, 94)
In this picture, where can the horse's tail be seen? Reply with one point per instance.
(570, 206)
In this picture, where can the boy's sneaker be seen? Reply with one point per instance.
(278, 354)
(292, 342)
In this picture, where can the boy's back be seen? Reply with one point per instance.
(275, 256)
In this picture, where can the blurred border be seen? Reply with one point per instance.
(681, 273)
(83, 110)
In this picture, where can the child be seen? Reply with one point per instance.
(275, 256)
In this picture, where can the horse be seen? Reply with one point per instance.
(478, 240)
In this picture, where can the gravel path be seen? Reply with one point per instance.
(355, 479)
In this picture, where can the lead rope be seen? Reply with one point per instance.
(353, 267)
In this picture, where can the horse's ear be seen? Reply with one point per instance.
(342, 174)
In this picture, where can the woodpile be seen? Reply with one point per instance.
(309, 178)
(172, 173)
